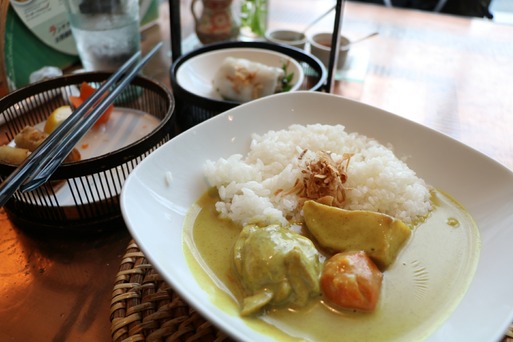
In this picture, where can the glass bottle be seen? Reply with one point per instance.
(216, 22)
(253, 18)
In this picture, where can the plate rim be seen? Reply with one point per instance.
(290, 96)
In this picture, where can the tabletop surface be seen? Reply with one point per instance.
(450, 73)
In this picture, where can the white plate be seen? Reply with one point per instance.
(125, 126)
(154, 210)
(197, 73)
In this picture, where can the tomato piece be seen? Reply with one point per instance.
(105, 116)
(351, 280)
(87, 90)
(75, 101)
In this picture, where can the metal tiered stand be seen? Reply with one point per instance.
(192, 109)
(144, 307)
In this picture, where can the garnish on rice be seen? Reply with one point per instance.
(323, 179)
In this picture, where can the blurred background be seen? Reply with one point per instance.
(502, 11)
(28, 43)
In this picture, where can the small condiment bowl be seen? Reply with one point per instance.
(320, 46)
(287, 37)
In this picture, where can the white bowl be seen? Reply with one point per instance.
(287, 37)
(196, 74)
(154, 207)
(320, 46)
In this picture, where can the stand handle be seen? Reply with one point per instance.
(176, 29)
(335, 42)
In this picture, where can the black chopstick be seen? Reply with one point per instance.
(47, 150)
(335, 43)
(51, 161)
(32, 162)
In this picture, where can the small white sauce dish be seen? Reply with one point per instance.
(287, 37)
(320, 47)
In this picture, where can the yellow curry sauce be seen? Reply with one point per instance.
(420, 290)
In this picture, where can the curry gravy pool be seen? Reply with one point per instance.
(420, 290)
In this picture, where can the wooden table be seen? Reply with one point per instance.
(449, 73)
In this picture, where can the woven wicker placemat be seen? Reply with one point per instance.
(145, 308)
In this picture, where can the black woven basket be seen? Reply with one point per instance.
(93, 184)
(192, 109)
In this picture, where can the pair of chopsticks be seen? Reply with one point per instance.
(37, 168)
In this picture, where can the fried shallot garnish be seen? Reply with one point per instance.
(323, 179)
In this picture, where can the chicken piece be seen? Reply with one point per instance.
(276, 267)
(339, 230)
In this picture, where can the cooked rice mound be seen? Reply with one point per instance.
(255, 188)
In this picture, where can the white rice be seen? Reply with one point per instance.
(379, 181)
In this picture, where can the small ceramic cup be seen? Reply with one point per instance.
(287, 37)
(320, 46)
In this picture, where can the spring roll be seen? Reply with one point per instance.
(30, 138)
(242, 80)
(13, 155)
